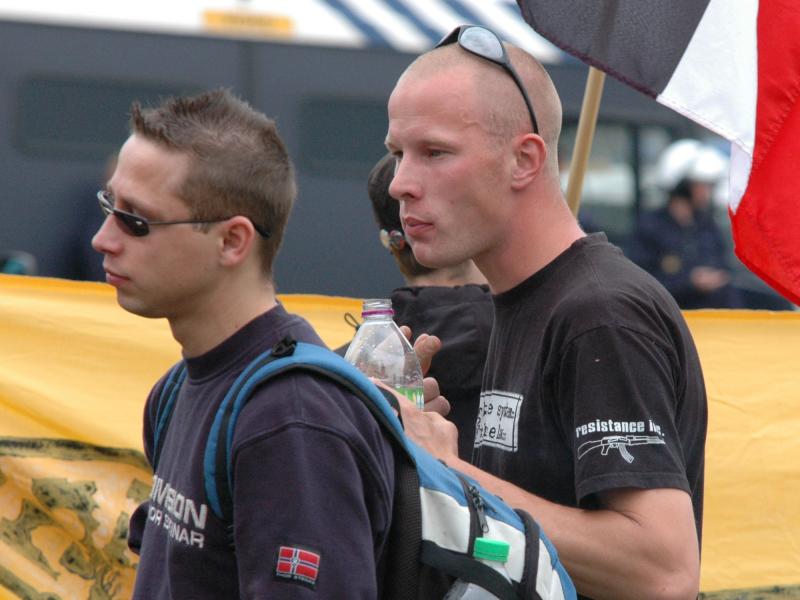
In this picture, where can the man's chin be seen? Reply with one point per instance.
(430, 264)
(137, 307)
(431, 260)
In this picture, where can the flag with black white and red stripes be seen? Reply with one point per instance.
(733, 66)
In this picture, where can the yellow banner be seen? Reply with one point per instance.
(75, 370)
(751, 532)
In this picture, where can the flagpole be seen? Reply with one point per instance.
(584, 136)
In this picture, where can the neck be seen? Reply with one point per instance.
(218, 316)
(463, 274)
(542, 229)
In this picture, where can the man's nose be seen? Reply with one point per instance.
(106, 240)
(404, 185)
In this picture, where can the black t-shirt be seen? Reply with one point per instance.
(592, 383)
(312, 485)
(461, 317)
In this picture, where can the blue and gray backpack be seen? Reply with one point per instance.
(438, 512)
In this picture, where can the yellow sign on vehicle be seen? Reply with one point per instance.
(248, 23)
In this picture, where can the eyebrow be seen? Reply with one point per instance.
(130, 205)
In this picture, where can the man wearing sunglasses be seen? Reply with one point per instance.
(593, 409)
(195, 213)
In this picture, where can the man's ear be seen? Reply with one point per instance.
(237, 240)
(529, 159)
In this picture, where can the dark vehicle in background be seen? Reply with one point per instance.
(65, 90)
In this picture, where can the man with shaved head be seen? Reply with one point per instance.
(593, 410)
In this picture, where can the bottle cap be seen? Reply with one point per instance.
(377, 306)
(489, 549)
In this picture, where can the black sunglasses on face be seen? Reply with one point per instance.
(486, 44)
(139, 226)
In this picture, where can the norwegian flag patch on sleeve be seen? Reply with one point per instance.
(297, 564)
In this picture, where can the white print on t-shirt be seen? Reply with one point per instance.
(620, 442)
(498, 420)
(179, 515)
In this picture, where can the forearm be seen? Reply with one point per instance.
(642, 544)
(616, 553)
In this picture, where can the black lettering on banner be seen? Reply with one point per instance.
(54, 523)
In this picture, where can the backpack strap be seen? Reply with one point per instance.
(411, 564)
(286, 355)
(400, 566)
(166, 402)
(551, 578)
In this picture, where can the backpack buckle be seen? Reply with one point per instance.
(284, 348)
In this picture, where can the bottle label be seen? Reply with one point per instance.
(414, 394)
(386, 312)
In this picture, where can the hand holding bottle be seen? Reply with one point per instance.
(381, 351)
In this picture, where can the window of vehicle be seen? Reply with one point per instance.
(76, 118)
(342, 137)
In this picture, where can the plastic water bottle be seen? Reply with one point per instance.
(490, 552)
(381, 351)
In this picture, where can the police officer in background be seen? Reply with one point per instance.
(680, 244)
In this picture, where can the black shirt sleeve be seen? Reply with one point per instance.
(618, 392)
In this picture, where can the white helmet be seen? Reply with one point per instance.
(709, 166)
(690, 159)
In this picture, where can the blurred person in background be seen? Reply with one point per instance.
(17, 262)
(452, 303)
(681, 244)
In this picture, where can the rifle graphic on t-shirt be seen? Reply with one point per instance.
(618, 442)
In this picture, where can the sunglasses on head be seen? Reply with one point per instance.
(486, 44)
(139, 226)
